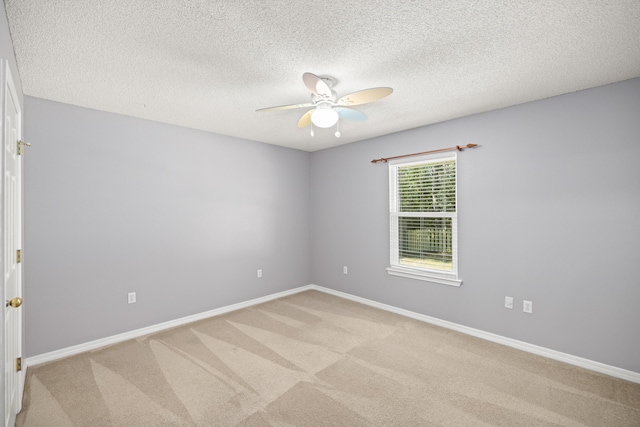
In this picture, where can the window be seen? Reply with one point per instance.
(423, 218)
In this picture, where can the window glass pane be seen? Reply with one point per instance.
(425, 242)
(429, 187)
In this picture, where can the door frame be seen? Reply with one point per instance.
(7, 82)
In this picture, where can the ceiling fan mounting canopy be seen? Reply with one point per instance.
(327, 107)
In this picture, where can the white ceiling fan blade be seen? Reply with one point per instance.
(316, 85)
(305, 120)
(349, 114)
(286, 107)
(365, 96)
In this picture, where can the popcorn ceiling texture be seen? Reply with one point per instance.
(210, 64)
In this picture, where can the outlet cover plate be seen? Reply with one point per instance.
(508, 302)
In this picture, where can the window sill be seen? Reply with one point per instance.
(427, 276)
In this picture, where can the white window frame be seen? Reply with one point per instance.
(415, 272)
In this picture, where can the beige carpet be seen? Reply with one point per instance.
(313, 359)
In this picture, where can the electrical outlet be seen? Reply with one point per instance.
(345, 270)
(259, 273)
(508, 302)
(527, 306)
(131, 297)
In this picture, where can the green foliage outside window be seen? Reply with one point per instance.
(426, 241)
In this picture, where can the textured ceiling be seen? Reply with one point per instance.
(209, 64)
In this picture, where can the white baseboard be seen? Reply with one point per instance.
(510, 342)
(103, 342)
(521, 345)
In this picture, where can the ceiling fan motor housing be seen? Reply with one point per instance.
(322, 98)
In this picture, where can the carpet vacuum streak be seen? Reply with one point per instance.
(313, 359)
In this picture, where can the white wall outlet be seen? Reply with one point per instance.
(131, 297)
(345, 270)
(527, 306)
(259, 273)
(508, 302)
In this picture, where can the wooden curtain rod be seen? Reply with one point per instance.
(456, 148)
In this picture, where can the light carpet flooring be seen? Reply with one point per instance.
(313, 359)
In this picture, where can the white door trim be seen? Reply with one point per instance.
(11, 231)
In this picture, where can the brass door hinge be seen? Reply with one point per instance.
(19, 256)
(19, 364)
(20, 145)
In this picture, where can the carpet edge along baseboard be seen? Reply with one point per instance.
(592, 365)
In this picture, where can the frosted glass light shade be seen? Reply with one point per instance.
(324, 117)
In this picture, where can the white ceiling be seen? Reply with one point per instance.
(208, 64)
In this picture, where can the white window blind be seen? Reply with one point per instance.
(423, 219)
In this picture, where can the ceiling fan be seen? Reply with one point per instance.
(327, 107)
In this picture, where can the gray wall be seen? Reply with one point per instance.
(548, 205)
(548, 211)
(184, 218)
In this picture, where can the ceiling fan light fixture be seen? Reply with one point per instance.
(328, 109)
(324, 117)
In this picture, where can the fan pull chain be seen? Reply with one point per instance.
(338, 129)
